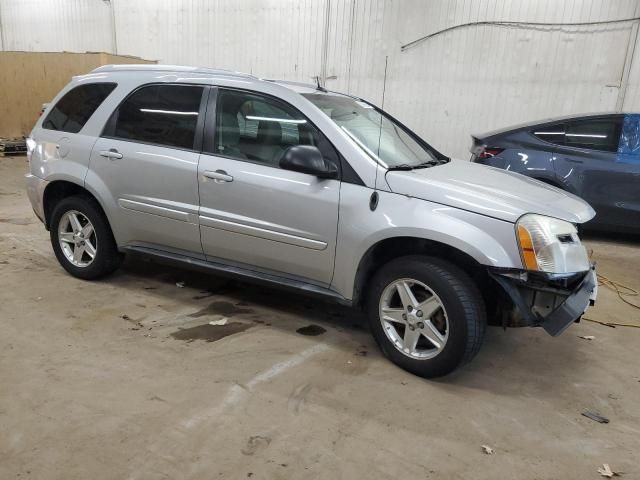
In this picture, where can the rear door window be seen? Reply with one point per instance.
(158, 114)
(629, 146)
(75, 108)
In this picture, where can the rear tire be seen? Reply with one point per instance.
(82, 239)
(443, 326)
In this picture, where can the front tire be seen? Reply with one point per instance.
(81, 238)
(426, 315)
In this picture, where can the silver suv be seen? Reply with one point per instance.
(292, 185)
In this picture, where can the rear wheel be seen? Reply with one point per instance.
(426, 315)
(81, 238)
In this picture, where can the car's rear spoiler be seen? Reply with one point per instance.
(477, 144)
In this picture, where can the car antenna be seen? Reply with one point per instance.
(373, 201)
(318, 86)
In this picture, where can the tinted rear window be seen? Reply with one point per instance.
(159, 114)
(595, 134)
(551, 134)
(75, 108)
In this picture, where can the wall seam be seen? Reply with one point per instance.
(114, 36)
(628, 63)
(325, 45)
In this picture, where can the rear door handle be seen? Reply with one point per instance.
(219, 176)
(112, 154)
(574, 160)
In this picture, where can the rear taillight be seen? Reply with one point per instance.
(489, 152)
(31, 145)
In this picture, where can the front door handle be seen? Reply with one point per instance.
(574, 160)
(219, 176)
(112, 154)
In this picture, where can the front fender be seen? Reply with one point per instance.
(487, 240)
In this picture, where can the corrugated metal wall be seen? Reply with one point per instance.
(483, 77)
(55, 26)
(274, 39)
(469, 79)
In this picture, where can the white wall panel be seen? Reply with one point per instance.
(479, 78)
(274, 39)
(56, 25)
(465, 80)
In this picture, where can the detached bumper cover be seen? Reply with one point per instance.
(549, 301)
(573, 307)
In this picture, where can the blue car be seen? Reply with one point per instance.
(596, 157)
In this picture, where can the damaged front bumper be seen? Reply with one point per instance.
(551, 301)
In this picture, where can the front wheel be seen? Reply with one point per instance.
(426, 315)
(82, 239)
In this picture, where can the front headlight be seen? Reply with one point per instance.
(550, 245)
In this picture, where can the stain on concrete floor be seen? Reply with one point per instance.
(17, 221)
(210, 333)
(227, 309)
(256, 443)
(311, 330)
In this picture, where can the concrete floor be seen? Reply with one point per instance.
(124, 378)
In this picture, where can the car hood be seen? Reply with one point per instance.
(488, 191)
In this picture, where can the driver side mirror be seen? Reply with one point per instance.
(308, 159)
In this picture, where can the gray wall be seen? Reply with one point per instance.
(468, 79)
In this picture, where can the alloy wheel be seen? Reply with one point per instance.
(414, 319)
(77, 238)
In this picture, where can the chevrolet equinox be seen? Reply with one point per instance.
(291, 185)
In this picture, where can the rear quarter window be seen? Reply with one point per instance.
(551, 134)
(75, 108)
(601, 134)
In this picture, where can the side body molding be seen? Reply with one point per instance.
(260, 232)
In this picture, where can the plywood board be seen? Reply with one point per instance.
(29, 79)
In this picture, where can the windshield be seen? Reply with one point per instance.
(379, 136)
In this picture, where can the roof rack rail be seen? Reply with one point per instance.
(150, 67)
(291, 82)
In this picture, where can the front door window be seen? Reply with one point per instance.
(258, 129)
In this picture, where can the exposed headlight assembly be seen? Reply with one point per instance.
(550, 245)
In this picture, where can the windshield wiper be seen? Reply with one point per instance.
(406, 166)
(428, 163)
(402, 166)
